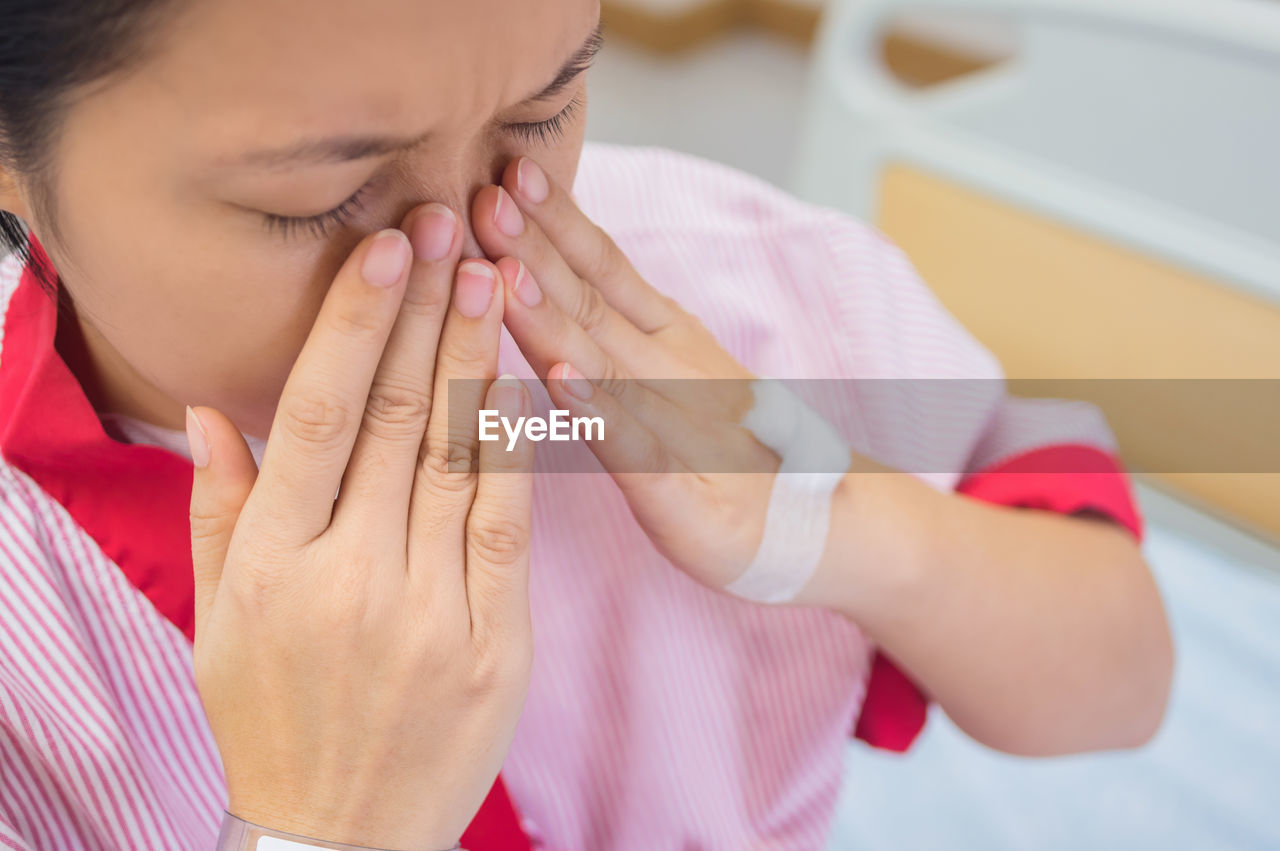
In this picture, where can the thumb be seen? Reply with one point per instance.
(223, 477)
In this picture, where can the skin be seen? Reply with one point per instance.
(158, 226)
(1038, 633)
(1071, 651)
(410, 590)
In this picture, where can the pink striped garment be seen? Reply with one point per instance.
(661, 714)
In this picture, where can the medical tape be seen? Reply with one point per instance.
(814, 460)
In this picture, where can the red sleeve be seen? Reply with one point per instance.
(1066, 478)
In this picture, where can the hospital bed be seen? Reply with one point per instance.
(1105, 204)
(1209, 780)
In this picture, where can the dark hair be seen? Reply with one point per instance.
(49, 48)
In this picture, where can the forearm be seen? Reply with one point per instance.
(1038, 633)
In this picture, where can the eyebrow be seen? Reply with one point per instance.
(336, 149)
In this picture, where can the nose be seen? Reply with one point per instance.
(460, 203)
(460, 181)
(470, 247)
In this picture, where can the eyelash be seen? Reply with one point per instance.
(532, 132)
(548, 131)
(318, 225)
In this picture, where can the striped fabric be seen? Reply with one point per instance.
(661, 714)
(102, 736)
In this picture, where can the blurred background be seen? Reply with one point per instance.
(727, 79)
(1093, 188)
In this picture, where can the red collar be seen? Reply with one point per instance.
(131, 498)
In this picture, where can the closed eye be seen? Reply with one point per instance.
(320, 224)
(533, 132)
(550, 130)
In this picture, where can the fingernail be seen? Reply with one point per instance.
(197, 440)
(385, 259)
(508, 396)
(506, 215)
(531, 181)
(577, 386)
(433, 232)
(526, 288)
(474, 289)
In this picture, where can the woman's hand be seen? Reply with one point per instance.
(1085, 656)
(363, 661)
(577, 307)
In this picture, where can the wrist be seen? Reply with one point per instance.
(878, 549)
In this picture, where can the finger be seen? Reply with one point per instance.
(636, 352)
(546, 336)
(586, 304)
(649, 475)
(379, 476)
(588, 248)
(498, 525)
(324, 397)
(601, 292)
(219, 488)
(543, 332)
(445, 484)
(688, 415)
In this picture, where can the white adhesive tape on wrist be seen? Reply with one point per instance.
(814, 460)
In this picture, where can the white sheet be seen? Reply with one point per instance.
(1211, 778)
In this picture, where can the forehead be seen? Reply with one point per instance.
(271, 67)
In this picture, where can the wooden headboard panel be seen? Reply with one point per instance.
(1053, 302)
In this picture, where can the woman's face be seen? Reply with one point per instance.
(185, 190)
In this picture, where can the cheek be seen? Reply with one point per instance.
(247, 320)
(218, 322)
(561, 163)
